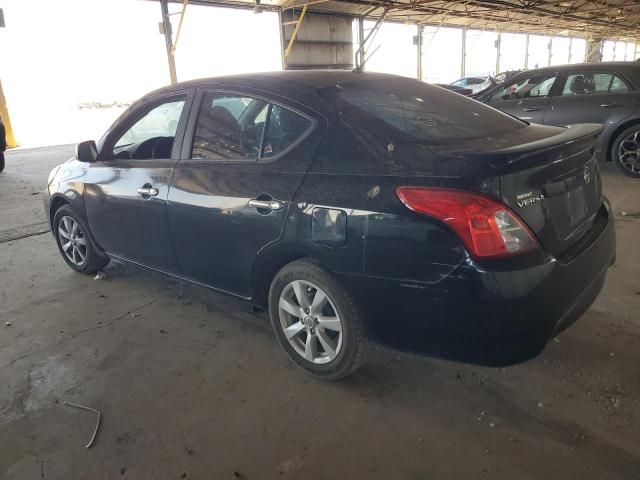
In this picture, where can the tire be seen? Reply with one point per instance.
(628, 141)
(88, 263)
(335, 328)
(1, 161)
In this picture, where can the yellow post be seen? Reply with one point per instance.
(4, 113)
(295, 31)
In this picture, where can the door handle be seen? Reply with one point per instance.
(148, 191)
(272, 205)
(532, 109)
(611, 105)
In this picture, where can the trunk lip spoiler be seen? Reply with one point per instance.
(570, 134)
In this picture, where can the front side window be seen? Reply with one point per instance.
(527, 87)
(151, 136)
(235, 127)
(593, 83)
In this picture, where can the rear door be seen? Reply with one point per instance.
(591, 96)
(243, 158)
(526, 97)
(126, 189)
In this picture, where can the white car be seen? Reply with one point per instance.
(475, 84)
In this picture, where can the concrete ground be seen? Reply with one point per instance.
(191, 384)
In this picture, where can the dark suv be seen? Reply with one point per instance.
(351, 206)
(606, 93)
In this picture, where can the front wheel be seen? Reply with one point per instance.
(73, 242)
(316, 321)
(626, 151)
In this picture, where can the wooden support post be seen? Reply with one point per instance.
(166, 23)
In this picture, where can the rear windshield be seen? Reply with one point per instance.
(422, 111)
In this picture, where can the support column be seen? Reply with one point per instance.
(498, 44)
(361, 52)
(526, 52)
(464, 53)
(166, 24)
(550, 47)
(282, 46)
(570, 47)
(419, 48)
(594, 50)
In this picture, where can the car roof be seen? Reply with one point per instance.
(300, 86)
(631, 70)
(313, 79)
(584, 66)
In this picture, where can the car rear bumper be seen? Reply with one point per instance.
(496, 313)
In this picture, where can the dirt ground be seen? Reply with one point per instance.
(192, 384)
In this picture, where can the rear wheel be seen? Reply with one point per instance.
(1, 161)
(74, 244)
(316, 322)
(626, 151)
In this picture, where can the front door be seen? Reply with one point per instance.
(526, 97)
(126, 189)
(243, 158)
(591, 96)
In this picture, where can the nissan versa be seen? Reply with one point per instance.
(353, 207)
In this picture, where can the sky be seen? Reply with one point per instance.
(57, 55)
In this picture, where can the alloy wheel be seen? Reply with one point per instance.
(629, 152)
(72, 240)
(310, 322)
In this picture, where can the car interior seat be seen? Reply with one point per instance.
(217, 135)
(162, 147)
(580, 85)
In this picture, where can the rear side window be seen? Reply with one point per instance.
(593, 83)
(284, 128)
(419, 110)
(528, 87)
(229, 127)
(236, 127)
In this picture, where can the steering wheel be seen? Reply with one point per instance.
(144, 150)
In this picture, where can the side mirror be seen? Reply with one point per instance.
(87, 151)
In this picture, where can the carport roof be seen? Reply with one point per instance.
(614, 19)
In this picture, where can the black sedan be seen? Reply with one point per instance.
(352, 207)
(607, 93)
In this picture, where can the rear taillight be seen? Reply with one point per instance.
(488, 228)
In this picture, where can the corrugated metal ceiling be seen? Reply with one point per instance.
(613, 19)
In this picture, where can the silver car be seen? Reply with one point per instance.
(607, 93)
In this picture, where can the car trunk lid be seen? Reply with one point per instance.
(552, 183)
